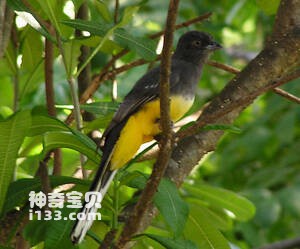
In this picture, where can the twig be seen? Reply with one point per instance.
(114, 88)
(224, 67)
(50, 99)
(6, 23)
(133, 223)
(109, 237)
(234, 70)
(284, 244)
(184, 24)
(84, 77)
(286, 95)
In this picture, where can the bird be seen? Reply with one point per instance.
(137, 119)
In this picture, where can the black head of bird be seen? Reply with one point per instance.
(195, 47)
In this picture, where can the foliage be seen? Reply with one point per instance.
(257, 158)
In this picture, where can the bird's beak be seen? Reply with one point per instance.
(213, 46)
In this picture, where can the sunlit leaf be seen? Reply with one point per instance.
(144, 47)
(128, 14)
(42, 124)
(31, 57)
(238, 205)
(55, 139)
(71, 53)
(53, 9)
(217, 216)
(202, 231)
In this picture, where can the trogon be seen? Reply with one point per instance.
(137, 118)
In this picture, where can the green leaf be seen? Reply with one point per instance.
(12, 133)
(174, 210)
(54, 233)
(71, 53)
(52, 9)
(42, 124)
(94, 28)
(34, 77)
(56, 139)
(128, 14)
(100, 108)
(18, 5)
(202, 231)
(31, 57)
(217, 216)
(103, 10)
(18, 191)
(171, 243)
(58, 232)
(167, 200)
(35, 231)
(61, 180)
(11, 58)
(101, 122)
(242, 208)
(223, 127)
(144, 47)
(269, 7)
(5, 112)
(108, 47)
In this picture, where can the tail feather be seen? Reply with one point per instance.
(101, 185)
(101, 182)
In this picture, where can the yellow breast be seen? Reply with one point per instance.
(142, 126)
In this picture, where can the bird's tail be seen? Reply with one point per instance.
(100, 185)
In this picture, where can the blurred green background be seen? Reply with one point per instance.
(261, 162)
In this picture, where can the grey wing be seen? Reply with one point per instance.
(145, 90)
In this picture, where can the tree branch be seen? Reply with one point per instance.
(6, 21)
(276, 90)
(134, 222)
(50, 98)
(286, 95)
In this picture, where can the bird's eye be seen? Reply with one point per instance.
(196, 43)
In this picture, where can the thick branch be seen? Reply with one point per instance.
(276, 90)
